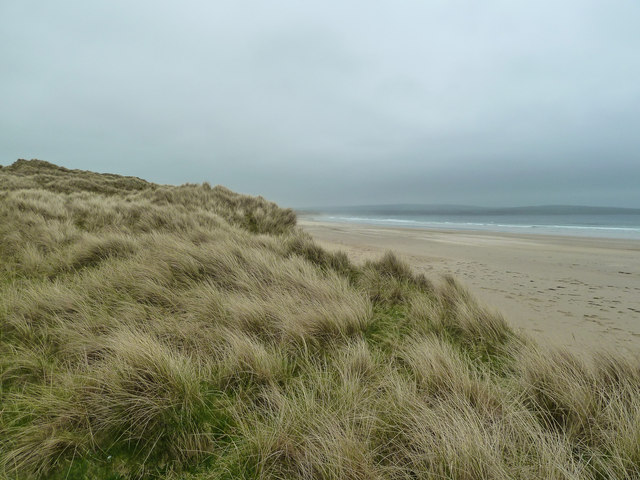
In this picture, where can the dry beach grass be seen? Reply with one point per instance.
(152, 331)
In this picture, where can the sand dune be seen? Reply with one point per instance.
(582, 293)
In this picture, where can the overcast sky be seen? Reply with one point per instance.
(495, 102)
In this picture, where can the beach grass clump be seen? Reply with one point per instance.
(188, 332)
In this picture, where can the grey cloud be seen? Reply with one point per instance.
(325, 103)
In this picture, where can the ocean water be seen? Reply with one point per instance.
(601, 225)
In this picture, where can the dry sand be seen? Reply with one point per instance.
(582, 293)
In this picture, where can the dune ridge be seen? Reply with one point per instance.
(154, 331)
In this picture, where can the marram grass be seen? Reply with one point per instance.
(189, 332)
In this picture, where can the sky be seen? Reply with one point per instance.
(308, 103)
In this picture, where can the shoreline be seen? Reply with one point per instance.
(576, 292)
(573, 231)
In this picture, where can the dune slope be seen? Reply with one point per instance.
(151, 331)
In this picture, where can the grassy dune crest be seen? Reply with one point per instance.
(188, 332)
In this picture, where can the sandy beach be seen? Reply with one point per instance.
(582, 293)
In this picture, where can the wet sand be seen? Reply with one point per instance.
(582, 293)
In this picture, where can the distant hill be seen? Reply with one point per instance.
(418, 209)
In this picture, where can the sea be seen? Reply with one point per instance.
(566, 221)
